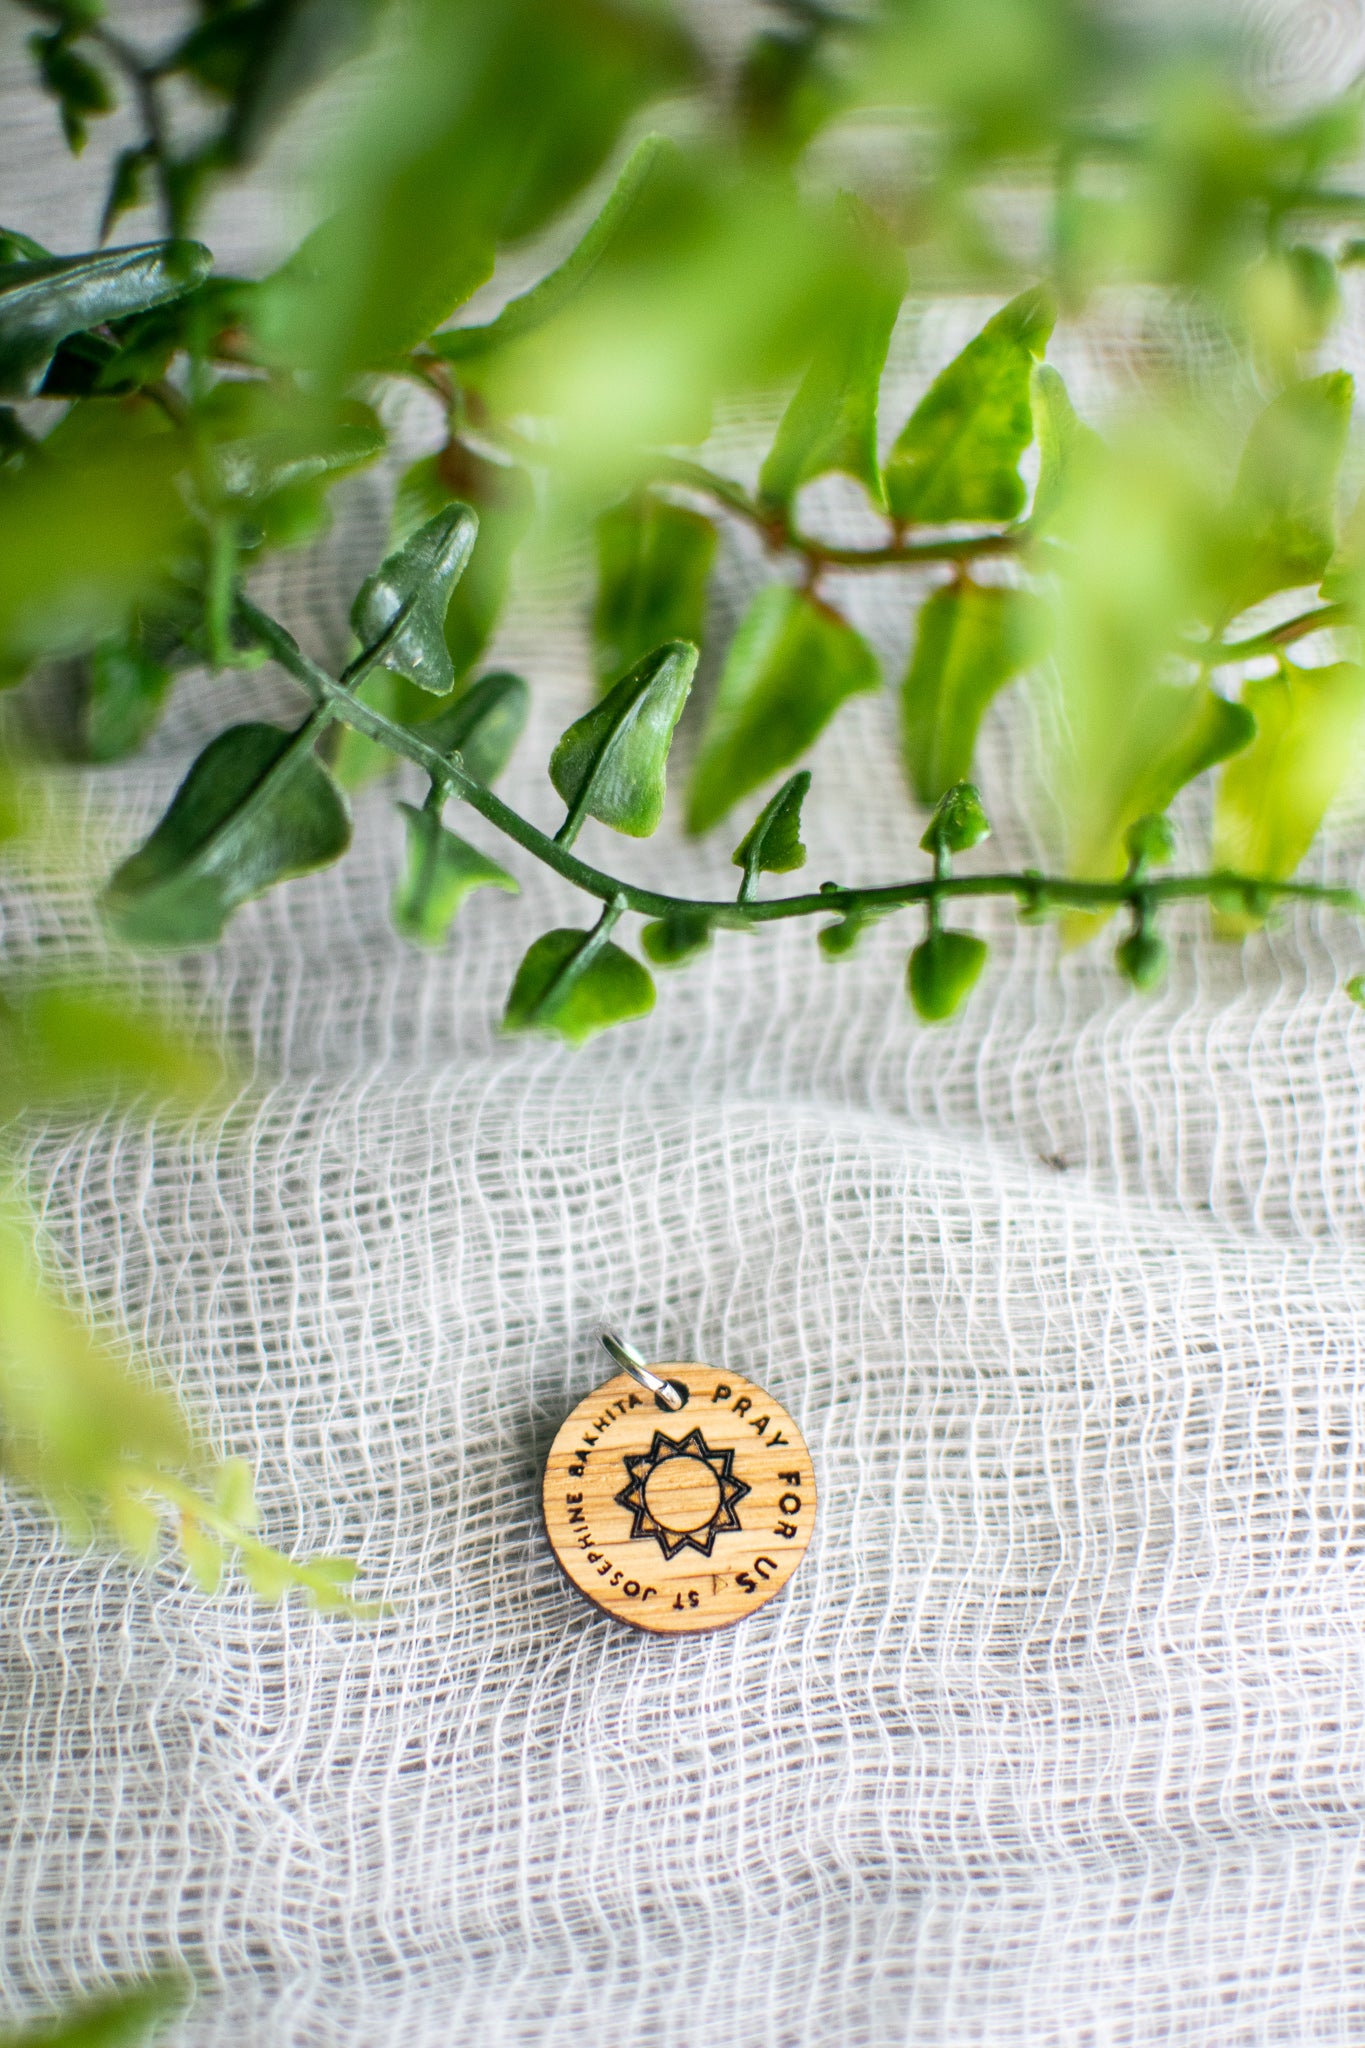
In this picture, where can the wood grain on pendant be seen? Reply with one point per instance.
(680, 1520)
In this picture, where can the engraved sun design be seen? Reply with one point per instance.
(681, 1493)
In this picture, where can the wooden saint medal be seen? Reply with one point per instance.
(678, 1498)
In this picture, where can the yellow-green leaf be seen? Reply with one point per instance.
(957, 456)
(1272, 798)
(573, 984)
(653, 564)
(971, 640)
(1279, 530)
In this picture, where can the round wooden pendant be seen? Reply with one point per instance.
(680, 1520)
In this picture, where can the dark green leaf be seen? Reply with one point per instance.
(1273, 797)
(80, 90)
(831, 422)
(959, 822)
(124, 2020)
(417, 581)
(572, 984)
(1065, 444)
(504, 498)
(792, 663)
(784, 91)
(836, 941)
(944, 969)
(1281, 524)
(653, 564)
(441, 871)
(611, 763)
(957, 457)
(262, 55)
(677, 938)
(256, 808)
(126, 696)
(17, 248)
(773, 845)
(483, 725)
(42, 301)
(972, 640)
(643, 168)
(128, 183)
(15, 440)
(1143, 958)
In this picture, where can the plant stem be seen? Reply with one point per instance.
(1030, 889)
(143, 78)
(1214, 653)
(779, 533)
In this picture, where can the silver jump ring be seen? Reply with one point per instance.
(629, 1359)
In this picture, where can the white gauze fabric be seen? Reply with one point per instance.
(1056, 1738)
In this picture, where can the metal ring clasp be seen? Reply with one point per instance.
(628, 1358)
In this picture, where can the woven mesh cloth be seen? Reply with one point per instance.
(1056, 1738)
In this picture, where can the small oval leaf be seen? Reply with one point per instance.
(572, 984)
(442, 869)
(944, 969)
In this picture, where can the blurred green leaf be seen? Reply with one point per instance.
(831, 421)
(417, 581)
(572, 984)
(1149, 843)
(204, 1555)
(1272, 798)
(673, 940)
(43, 300)
(483, 725)
(611, 763)
(259, 55)
(73, 1414)
(971, 640)
(79, 88)
(124, 2019)
(70, 1044)
(264, 443)
(504, 498)
(634, 191)
(257, 808)
(773, 844)
(1159, 741)
(1281, 524)
(957, 456)
(1065, 444)
(792, 663)
(944, 969)
(441, 871)
(653, 564)
(126, 695)
(19, 248)
(234, 1493)
(959, 821)
(785, 90)
(91, 524)
(838, 940)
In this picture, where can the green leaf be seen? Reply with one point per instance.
(831, 422)
(257, 808)
(1155, 743)
(483, 725)
(640, 175)
(17, 248)
(1149, 843)
(837, 940)
(43, 300)
(262, 440)
(441, 871)
(123, 2020)
(1066, 445)
(944, 969)
(679, 937)
(957, 457)
(1143, 958)
(203, 1554)
(959, 822)
(773, 845)
(416, 582)
(1355, 989)
(792, 663)
(653, 564)
(1272, 798)
(80, 90)
(260, 55)
(572, 984)
(972, 640)
(127, 694)
(611, 763)
(72, 1416)
(504, 498)
(1280, 528)
(136, 1527)
(234, 1492)
(70, 1044)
